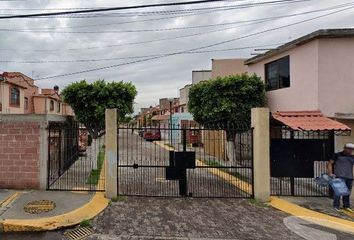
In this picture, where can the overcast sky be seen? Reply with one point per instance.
(157, 78)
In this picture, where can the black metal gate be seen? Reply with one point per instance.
(185, 160)
(297, 157)
(75, 162)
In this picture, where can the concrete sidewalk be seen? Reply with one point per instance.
(47, 210)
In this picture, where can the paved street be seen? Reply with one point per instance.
(149, 179)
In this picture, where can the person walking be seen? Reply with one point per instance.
(341, 166)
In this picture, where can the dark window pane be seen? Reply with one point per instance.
(277, 74)
(51, 105)
(15, 96)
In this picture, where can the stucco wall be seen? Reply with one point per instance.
(28, 93)
(227, 67)
(5, 100)
(303, 91)
(184, 96)
(67, 110)
(42, 106)
(340, 141)
(336, 76)
(201, 75)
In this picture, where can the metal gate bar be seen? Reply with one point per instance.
(75, 161)
(297, 157)
(185, 160)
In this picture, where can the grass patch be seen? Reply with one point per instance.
(212, 163)
(119, 199)
(95, 173)
(257, 203)
(85, 223)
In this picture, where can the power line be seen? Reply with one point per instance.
(181, 28)
(178, 11)
(193, 49)
(247, 23)
(131, 57)
(84, 11)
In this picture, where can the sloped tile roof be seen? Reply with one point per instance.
(308, 121)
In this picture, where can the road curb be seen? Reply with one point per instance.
(313, 216)
(88, 211)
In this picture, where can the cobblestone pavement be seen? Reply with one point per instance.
(142, 218)
(179, 218)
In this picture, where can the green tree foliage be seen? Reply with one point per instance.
(226, 100)
(90, 100)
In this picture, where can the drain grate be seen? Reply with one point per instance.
(78, 233)
(39, 206)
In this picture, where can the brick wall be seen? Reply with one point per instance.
(19, 155)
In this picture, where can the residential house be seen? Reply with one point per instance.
(19, 95)
(161, 113)
(184, 97)
(313, 72)
(227, 67)
(16, 91)
(48, 101)
(197, 76)
(200, 75)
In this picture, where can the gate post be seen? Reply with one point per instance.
(261, 153)
(111, 153)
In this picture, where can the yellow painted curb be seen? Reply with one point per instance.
(97, 204)
(10, 199)
(161, 144)
(240, 184)
(312, 216)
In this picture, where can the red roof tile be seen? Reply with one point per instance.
(308, 121)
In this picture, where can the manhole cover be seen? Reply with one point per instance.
(39, 206)
(78, 233)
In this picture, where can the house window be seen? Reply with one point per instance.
(15, 96)
(58, 109)
(26, 103)
(51, 105)
(277, 74)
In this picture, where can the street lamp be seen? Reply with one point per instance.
(171, 102)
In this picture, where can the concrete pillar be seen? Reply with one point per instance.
(43, 156)
(261, 153)
(111, 153)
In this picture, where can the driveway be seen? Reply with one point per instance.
(188, 218)
(148, 177)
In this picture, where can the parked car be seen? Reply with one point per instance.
(152, 135)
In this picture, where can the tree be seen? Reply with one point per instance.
(90, 100)
(226, 101)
